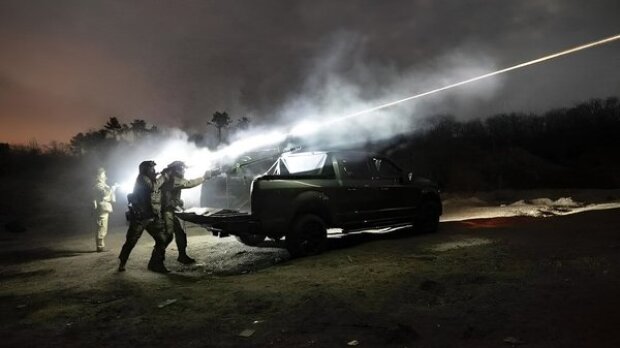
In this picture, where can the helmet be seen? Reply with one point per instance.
(177, 165)
(177, 168)
(101, 175)
(145, 166)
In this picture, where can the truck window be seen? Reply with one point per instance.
(311, 164)
(385, 169)
(355, 168)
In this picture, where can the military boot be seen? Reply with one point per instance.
(157, 267)
(184, 259)
(156, 263)
(121, 265)
(100, 245)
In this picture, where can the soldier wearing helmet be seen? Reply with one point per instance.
(171, 202)
(145, 214)
(102, 204)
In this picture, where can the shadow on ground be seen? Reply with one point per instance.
(24, 256)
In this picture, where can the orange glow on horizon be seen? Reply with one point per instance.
(497, 222)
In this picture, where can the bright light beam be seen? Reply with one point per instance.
(202, 160)
(477, 78)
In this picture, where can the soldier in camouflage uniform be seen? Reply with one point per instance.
(102, 205)
(171, 202)
(145, 213)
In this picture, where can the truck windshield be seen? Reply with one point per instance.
(311, 164)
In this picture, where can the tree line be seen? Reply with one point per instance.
(575, 147)
(114, 133)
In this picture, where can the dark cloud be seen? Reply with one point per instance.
(175, 63)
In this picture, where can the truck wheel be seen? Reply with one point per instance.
(308, 236)
(251, 239)
(426, 218)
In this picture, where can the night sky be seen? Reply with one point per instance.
(67, 66)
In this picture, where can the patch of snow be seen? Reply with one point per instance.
(537, 207)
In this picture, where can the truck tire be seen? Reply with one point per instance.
(307, 236)
(426, 218)
(251, 239)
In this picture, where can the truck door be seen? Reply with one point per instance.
(357, 202)
(394, 199)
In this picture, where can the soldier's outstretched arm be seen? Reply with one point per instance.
(185, 184)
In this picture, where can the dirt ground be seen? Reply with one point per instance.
(541, 279)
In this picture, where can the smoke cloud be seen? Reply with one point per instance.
(347, 102)
(342, 81)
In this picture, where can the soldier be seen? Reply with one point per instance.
(171, 202)
(145, 213)
(102, 205)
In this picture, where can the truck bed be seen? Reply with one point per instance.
(223, 221)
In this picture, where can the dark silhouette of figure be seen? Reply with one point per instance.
(145, 214)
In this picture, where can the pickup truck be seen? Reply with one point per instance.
(303, 194)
